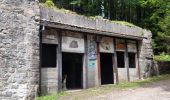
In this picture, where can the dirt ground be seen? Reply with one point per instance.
(156, 91)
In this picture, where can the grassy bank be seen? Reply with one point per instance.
(103, 89)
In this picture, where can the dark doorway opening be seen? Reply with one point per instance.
(120, 60)
(132, 60)
(106, 68)
(49, 55)
(72, 64)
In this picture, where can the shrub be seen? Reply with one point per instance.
(162, 57)
(49, 3)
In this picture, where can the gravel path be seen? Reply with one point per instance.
(155, 91)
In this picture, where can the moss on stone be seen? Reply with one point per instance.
(124, 23)
(142, 33)
(57, 9)
(50, 4)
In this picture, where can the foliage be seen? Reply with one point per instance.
(49, 3)
(162, 57)
(104, 89)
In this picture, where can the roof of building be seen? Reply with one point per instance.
(72, 21)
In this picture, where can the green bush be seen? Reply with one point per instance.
(49, 3)
(162, 57)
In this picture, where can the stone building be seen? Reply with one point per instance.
(40, 47)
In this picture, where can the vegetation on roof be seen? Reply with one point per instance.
(51, 5)
(124, 23)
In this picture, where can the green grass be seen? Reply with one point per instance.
(140, 83)
(52, 96)
(103, 89)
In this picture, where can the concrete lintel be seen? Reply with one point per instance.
(87, 30)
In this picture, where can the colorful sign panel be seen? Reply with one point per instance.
(92, 51)
(106, 45)
(72, 42)
(120, 45)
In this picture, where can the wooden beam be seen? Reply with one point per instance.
(138, 65)
(40, 63)
(127, 60)
(59, 60)
(98, 63)
(85, 63)
(115, 64)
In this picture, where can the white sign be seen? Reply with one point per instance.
(106, 45)
(50, 37)
(73, 44)
(132, 46)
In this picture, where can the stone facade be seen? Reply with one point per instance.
(20, 21)
(19, 49)
(145, 54)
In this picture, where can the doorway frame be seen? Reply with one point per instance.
(113, 66)
(82, 66)
(59, 61)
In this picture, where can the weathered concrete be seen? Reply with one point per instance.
(50, 36)
(98, 25)
(49, 80)
(92, 69)
(19, 49)
(122, 74)
(133, 73)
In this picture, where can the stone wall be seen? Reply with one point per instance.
(19, 49)
(163, 67)
(146, 54)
